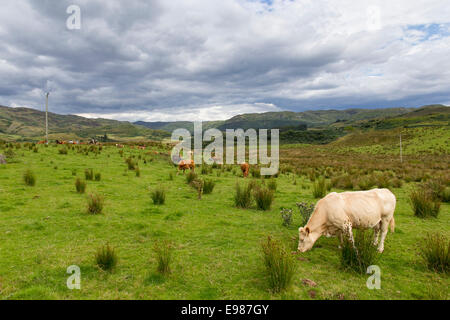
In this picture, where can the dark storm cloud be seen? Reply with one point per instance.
(153, 59)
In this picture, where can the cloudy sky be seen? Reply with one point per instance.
(160, 60)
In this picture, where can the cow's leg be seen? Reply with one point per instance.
(348, 230)
(384, 230)
(376, 233)
(341, 239)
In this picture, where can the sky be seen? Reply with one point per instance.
(159, 60)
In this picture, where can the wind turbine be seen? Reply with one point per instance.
(46, 117)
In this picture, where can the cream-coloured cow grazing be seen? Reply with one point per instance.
(337, 213)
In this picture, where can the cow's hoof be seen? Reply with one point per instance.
(380, 250)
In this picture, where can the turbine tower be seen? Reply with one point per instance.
(46, 117)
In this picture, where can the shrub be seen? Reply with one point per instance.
(89, 174)
(286, 216)
(191, 176)
(106, 258)
(272, 185)
(243, 196)
(163, 250)
(158, 196)
(208, 186)
(423, 204)
(98, 176)
(363, 256)
(366, 183)
(80, 185)
(280, 264)
(95, 203)
(29, 178)
(263, 198)
(435, 252)
(319, 188)
(305, 210)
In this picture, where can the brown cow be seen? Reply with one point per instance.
(186, 165)
(245, 168)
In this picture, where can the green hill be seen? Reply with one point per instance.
(29, 124)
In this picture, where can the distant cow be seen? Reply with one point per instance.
(338, 213)
(186, 165)
(245, 168)
(119, 145)
(141, 147)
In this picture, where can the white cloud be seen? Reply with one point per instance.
(154, 59)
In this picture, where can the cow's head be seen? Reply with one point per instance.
(305, 240)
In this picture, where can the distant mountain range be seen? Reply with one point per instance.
(323, 125)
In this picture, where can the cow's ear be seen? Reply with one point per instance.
(307, 230)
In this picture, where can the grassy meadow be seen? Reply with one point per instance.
(216, 247)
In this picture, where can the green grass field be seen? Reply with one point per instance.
(44, 229)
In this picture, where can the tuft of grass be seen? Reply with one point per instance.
(435, 252)
(106, 258)
(138, 171)
(424, 204)
(243, 196)
(280, 264)
(191, 176)
(98, 176)
(319, 188)
(263, 198)
(63, 150)
(158, 196)
(163, 251)
(197, 184)
(272, 185)
(95, 203)
(208, 186)
(89, 174)
(360, 256)
(131, 164)
(80, 185)
(29, 178)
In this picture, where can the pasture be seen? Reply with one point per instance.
(217, 253)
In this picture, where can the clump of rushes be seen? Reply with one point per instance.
(80, 185)
(106, 258)
(29, 178)
(190, 177)
(131, 164)
(95, 203)
(138, 172)
(435, 252)
(319, 188)
(280, 264)
(74, 172)
(424, 204)
(98, 176)
(163, 251)
(89, 174)
(63, 150)
(158, 196)
(272, 185)
(264, 198)
(361, 255)
(208, 186)
(243, 196)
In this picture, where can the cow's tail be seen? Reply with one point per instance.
(392, 225)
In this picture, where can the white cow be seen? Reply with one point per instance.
(338, 213)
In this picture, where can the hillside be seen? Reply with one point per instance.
(24, 123)
(271, 120)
